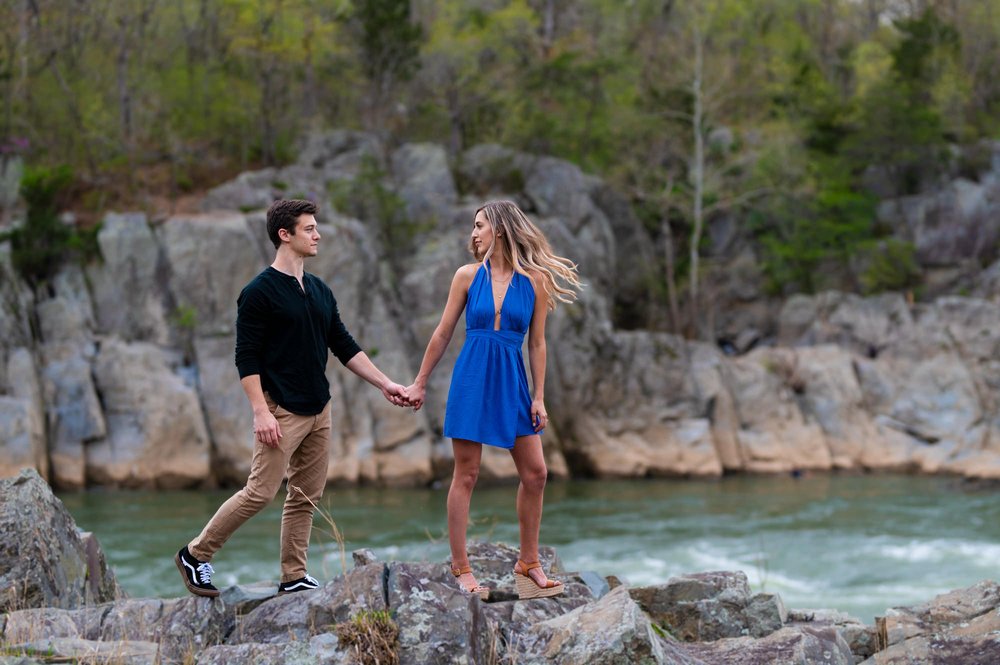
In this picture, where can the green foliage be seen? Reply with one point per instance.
(185, 317)
(366, 197)
(389, 41)
(44, 242)
(891, 266)
(800, 238)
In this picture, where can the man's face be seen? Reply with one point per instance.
(305, 240)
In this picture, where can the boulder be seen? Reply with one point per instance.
(424, 182)
(300, 616)
(947, 225)
(211, 257)
(23, 416)
(43, 558)
(862, 639)
(16, 304)
(612, 630)
(788, 646)
(955, 627)
(435, 617)
(322, 649)
(156, 429)
(774, 435)
(74, 412)
(173, 629)
(227, 411)
(702, 607)
(127, 285)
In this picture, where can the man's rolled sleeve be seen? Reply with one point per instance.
(250, 331)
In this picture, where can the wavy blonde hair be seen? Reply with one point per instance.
(527, 249)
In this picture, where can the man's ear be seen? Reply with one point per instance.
(283, 234)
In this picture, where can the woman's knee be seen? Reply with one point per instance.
(465, 477)
(534, 479)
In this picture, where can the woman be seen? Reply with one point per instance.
(509, 291)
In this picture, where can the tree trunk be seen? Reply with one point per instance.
(698, 175)
(669, 265)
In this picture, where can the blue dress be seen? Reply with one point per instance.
(489, 400)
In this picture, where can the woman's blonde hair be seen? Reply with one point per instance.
(527, 249)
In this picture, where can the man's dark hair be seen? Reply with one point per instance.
(283, 214)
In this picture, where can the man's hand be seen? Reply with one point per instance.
(396, 394)
(266, 428)
(416, 392)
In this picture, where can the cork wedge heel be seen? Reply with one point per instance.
(527, 588)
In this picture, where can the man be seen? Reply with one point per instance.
(286, 320)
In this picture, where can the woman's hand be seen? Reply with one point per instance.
(539, 416)
(416, 392)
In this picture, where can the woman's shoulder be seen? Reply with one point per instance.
(467, 272)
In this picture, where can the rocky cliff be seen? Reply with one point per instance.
(120, 372)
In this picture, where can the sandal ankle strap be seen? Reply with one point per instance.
(526, 567)
(457, 572)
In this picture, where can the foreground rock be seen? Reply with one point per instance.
(958, 627)
(44, 560)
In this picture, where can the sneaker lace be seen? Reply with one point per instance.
(205, 571)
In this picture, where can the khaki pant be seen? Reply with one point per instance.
(303, 451)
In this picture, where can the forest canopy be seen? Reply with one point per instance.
(796, 115)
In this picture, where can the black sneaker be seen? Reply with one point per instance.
(302, 584)
(197, 574)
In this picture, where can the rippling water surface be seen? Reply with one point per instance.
(859, 544)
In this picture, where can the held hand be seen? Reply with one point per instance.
(416, 393)
(266, 428)
(539, 416)
(396, 394)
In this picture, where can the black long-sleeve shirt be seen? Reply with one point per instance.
(283, 332)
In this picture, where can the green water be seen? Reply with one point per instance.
(859, 544)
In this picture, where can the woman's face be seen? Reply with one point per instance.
(482, 234)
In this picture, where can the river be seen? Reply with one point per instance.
(857, 543)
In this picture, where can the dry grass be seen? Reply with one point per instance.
(372, 636)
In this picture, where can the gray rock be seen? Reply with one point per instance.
(788, 646)
(764, 614)
(702, 607)
(252, 190)
(949, 225)
(128, 286)
(597, 584)
(319, 650)
(363, 557)
(612, 630)
(435, 617)
(156, 430)
(75, 650)
(211, 258)
(424, 182)
(300, 616)
(74, 412)
(43, 559)
(227, 411)
(19, 443)
(23, 384)
(861, 638)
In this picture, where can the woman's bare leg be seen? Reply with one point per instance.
(530, 463)
(468, 455)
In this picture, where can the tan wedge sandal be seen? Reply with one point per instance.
(479, 590)
(528, 587)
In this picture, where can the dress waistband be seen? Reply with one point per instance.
(506, 337)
